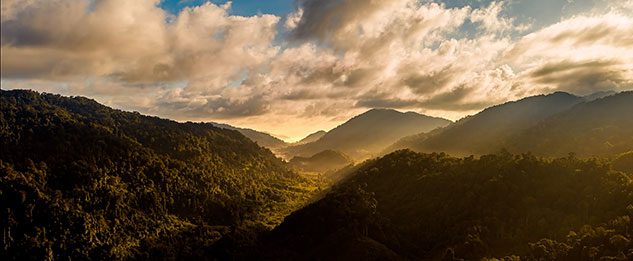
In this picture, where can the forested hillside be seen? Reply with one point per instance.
(602, 127)
(261, 138)
(432, 206)
(488, 130)
(547, 125)
(83, 181)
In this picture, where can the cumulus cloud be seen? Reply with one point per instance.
(131, 41)
(333, 59)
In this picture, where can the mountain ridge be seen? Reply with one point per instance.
(262, 138)
(311, 137)
(368, 133)
(485, 130)
(507, 126)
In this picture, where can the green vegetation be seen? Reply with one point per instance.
(80, 180)
(322, 162)
(261, 138)
(432, 206)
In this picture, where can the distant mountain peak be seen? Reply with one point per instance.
(378, 111)
(381, 110)
(388, 112)
(598, 95)
(367, 134)
(312, 137)
(560, 93)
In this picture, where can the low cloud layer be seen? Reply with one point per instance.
(314, 68)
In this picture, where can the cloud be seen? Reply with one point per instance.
(292, 20)
(583, 77)
(455, 99)
(583, 54)
(492, 19)
(131, 41)
(610, 32)
(182, 105)
(331, 60)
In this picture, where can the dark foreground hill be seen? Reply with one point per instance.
(367, 134)
(434, 207)
(83, 181)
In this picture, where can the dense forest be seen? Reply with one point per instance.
(261, 138)
(80, 180)
(432, 206)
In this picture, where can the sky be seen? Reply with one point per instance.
(291, 68)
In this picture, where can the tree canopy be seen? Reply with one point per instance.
(81, 180)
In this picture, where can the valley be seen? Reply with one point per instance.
(83, 180)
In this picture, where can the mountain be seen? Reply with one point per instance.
(83, 181)
(488, 130)
(414, 142)
(311, 138)
(261, 138)
(368, 134)
(327, 160)
(601, 127)
(410, 206)
(598, 95)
